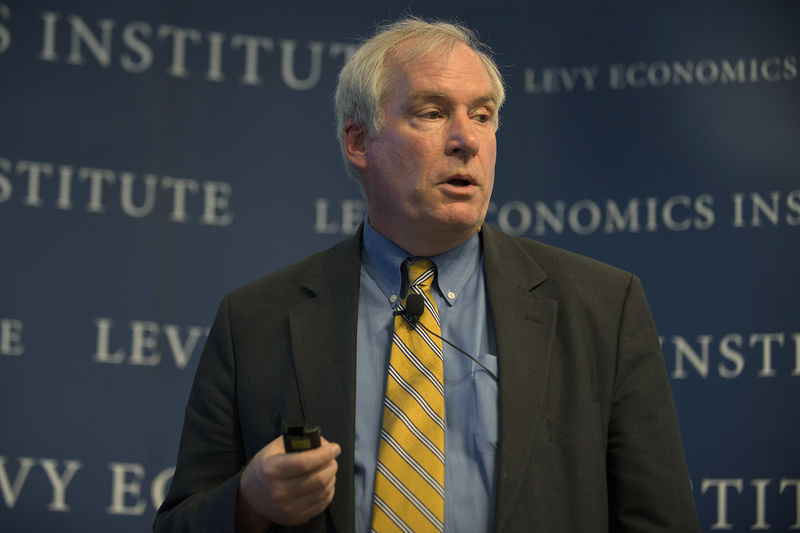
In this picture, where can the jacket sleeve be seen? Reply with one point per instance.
(202, 496)
(648, 483)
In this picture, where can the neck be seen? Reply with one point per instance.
(430, 243)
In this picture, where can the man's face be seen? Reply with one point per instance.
(428, 175)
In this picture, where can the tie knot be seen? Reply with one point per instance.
(420, 272)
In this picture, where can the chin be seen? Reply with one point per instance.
(462, 225)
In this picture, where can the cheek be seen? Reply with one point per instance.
(403, 158)
(489, 159)
(491, 148)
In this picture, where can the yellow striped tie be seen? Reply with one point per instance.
(409, 479)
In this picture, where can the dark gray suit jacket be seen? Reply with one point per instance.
(589, 440)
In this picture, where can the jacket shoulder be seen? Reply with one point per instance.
(557, 264)
(303, 278)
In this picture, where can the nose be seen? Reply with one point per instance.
(462, 139)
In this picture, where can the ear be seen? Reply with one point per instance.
(355, 144)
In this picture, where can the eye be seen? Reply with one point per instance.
(431, 115)
(483, 116)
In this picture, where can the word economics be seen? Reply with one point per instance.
(587, 216)
(660, 73)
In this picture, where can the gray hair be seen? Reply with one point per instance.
(363, 86)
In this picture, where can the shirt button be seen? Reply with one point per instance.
(451, 295)
(393, 298)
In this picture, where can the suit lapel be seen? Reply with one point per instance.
(323, 331)
(524, 322)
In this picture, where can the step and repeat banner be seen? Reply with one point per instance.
(155, 155)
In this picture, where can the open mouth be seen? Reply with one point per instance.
(459, 182)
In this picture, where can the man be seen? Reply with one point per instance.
(552, 414)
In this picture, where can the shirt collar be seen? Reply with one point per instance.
(382, 259)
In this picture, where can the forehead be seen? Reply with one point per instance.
(453, 66)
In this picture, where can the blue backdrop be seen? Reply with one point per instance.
(155, 155)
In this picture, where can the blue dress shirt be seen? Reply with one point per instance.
(471, 410)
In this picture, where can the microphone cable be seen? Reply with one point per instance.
(414, 308)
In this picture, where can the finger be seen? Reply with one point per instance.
(302, 463)
(317, 481)
(317, 485)
(301, 509)
(288, 501)
(275, 447)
